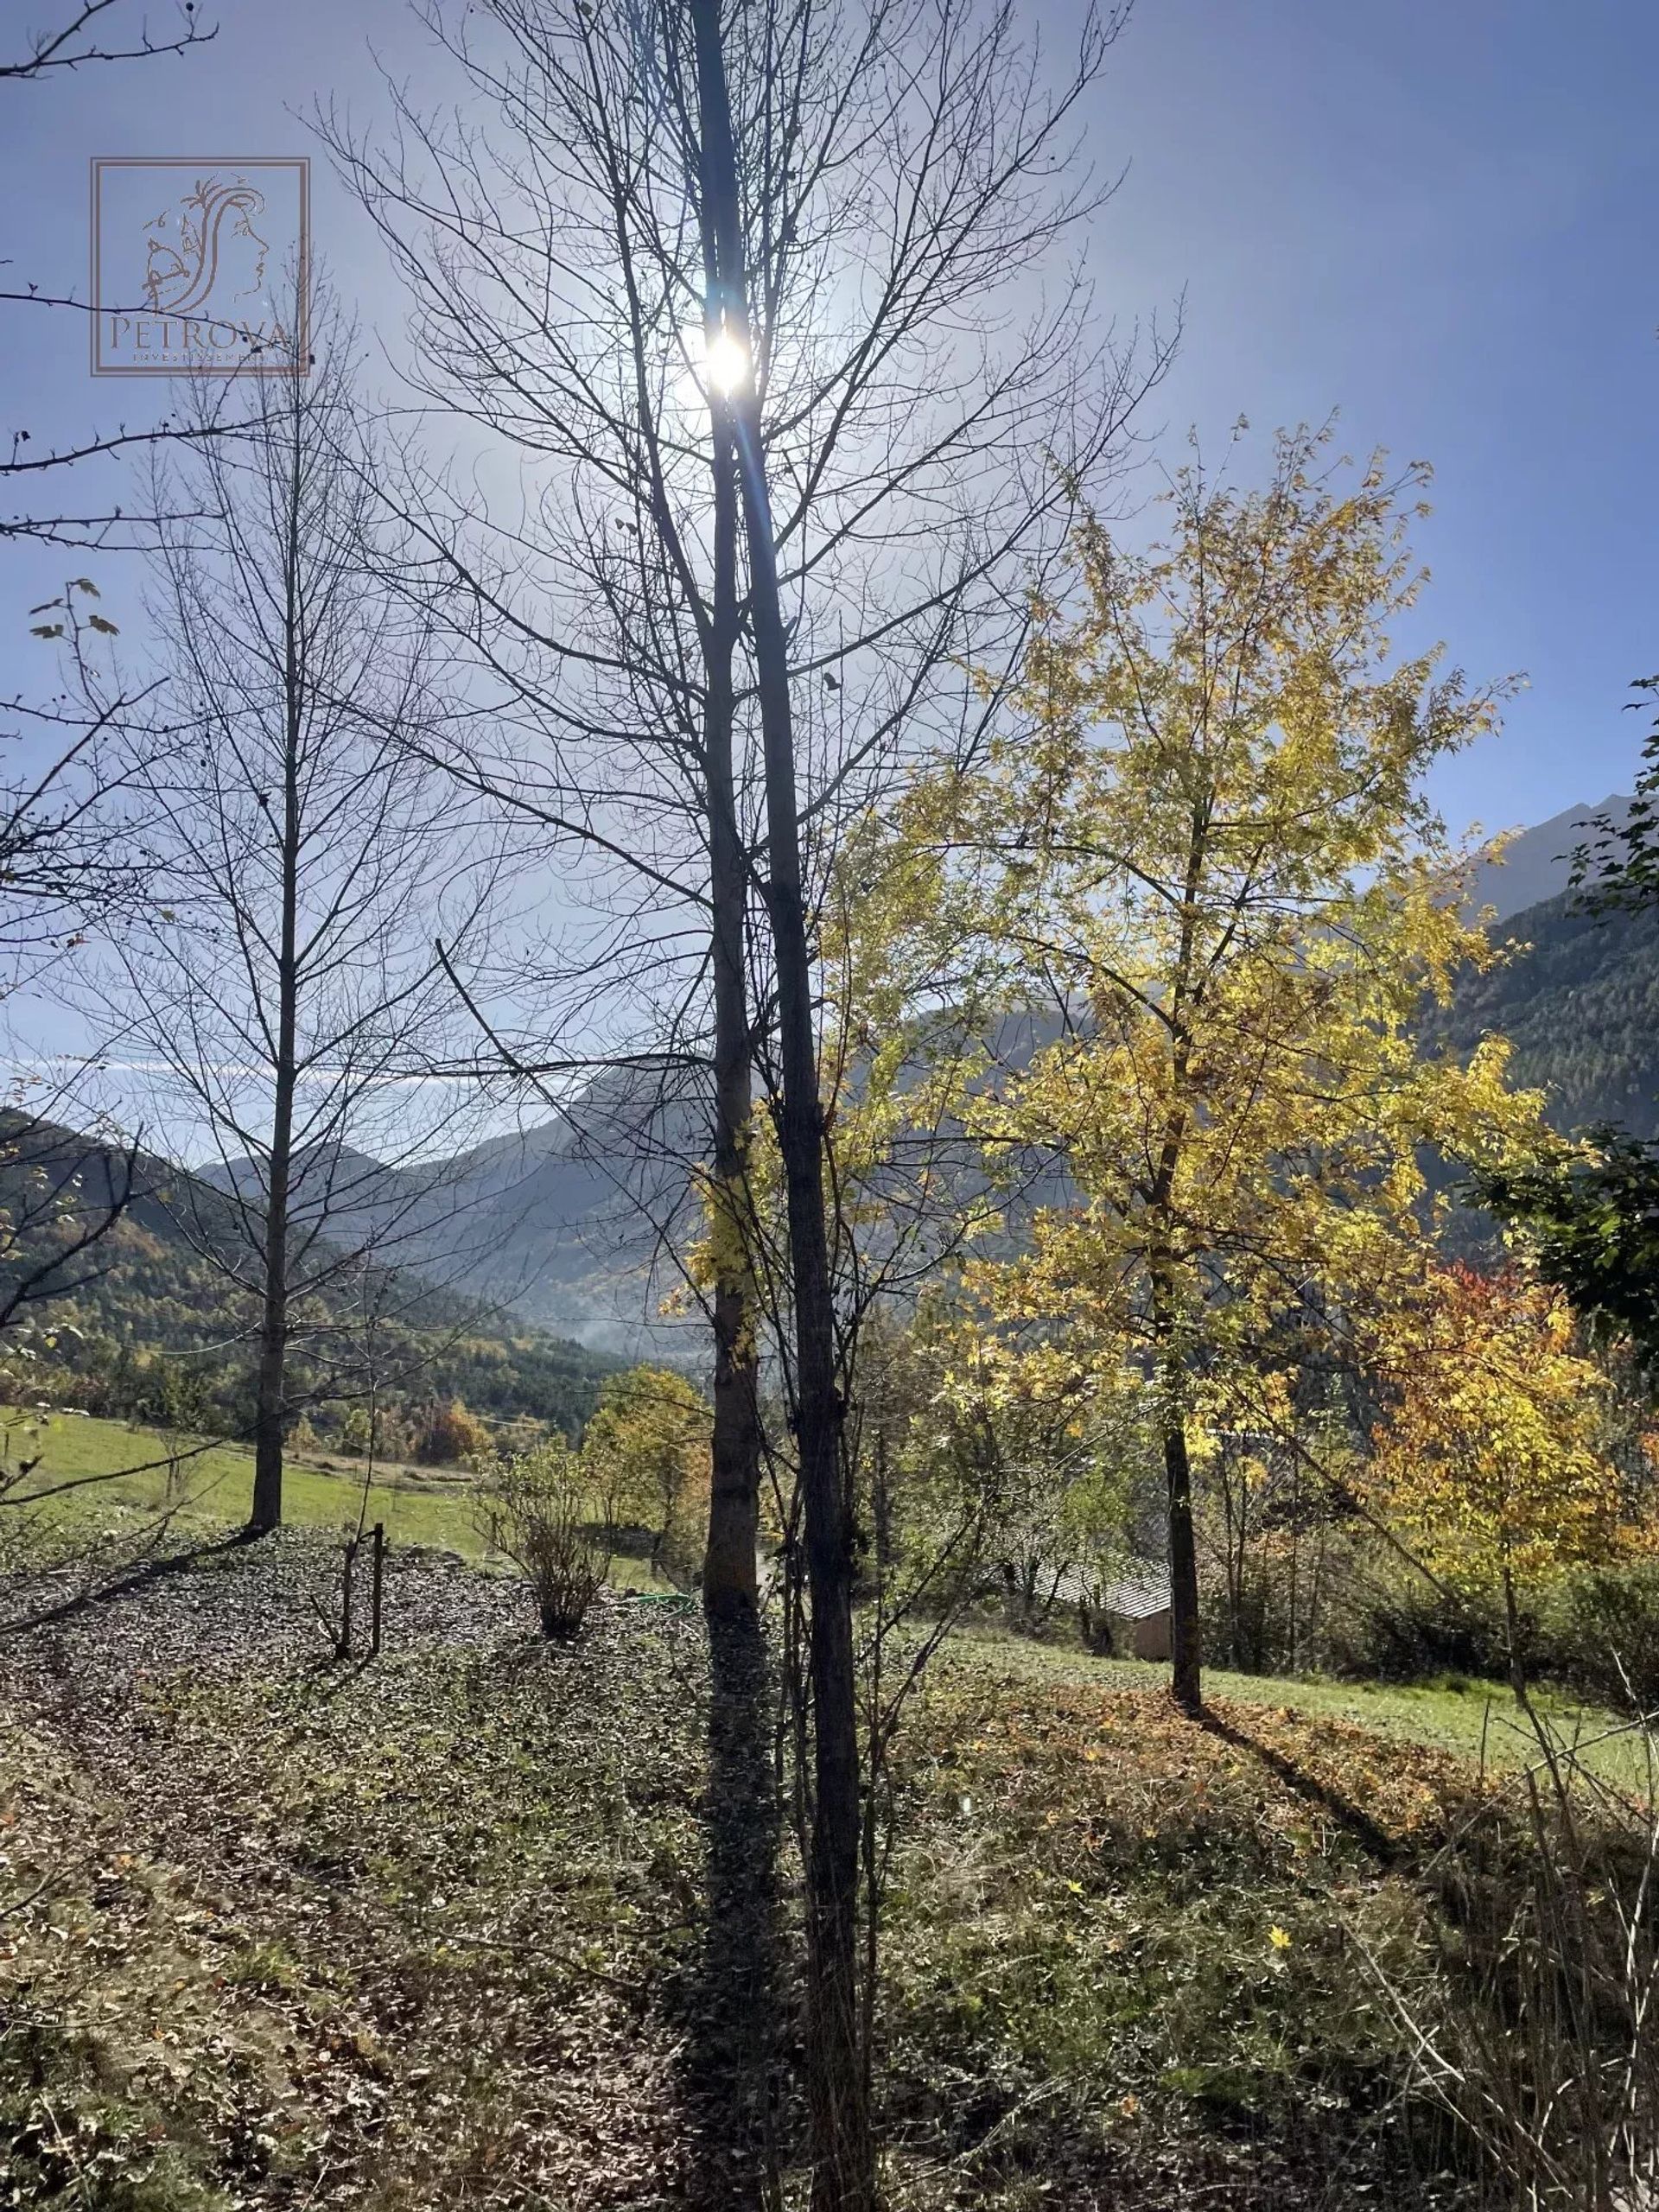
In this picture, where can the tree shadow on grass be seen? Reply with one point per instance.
(733, 1998)
(153, 1570)
(1386, 1850)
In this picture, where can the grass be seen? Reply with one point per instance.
(433, 1508)
(435, 1928)
(215, 1484)
(431, 1931)
(1472, 1720)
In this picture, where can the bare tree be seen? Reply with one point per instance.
(747, 293)
(285, 988)
(90, 31)
(81, 34)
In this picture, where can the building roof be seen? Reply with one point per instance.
(1136, 1597)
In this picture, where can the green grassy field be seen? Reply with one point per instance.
(1472, 1719)
(97, 1477)
(214, 1485)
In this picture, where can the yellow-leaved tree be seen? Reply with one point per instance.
(1201, 844)
(1491, 1463)
(644, 1461)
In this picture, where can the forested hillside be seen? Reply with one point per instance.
(1577, 997)
(544, 1222)
(149, 1326)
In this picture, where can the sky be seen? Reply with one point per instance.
(1436, 217)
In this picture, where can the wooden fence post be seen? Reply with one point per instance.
(376, 1584)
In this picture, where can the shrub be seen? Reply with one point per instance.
(1603, 1633)
(357, 1431)
(645, 1457)
(450, 1435)
(1395, 1625)
(533, 1510)
(1242, 1622)
(1541, 2036)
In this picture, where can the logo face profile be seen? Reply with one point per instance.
(200, 267)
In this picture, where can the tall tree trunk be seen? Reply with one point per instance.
(843, 2177)
(1187, 1680)
(270, 1411)
(729, 1590)
(270, 1408)
(1186, 1683)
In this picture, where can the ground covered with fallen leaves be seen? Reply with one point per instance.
(430, 1929)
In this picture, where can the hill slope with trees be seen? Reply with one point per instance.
(142, 1325)
(1578, 996)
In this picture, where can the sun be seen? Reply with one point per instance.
(726, 359)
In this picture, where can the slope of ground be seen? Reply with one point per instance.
(207, 1488)
(108, 1492)
(1472, 1720)
(430, 1930)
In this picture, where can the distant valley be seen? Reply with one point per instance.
(540, 1228)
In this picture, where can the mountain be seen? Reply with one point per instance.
(143, 1313)
(1537, 863)
(558, 1222)
(1577, 997)
(547, 1220)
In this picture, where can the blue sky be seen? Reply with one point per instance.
(1439, 217)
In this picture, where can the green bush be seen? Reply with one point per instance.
(532, 1509)
(1395, 1625)
(1602, 1634)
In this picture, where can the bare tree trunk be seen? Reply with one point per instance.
(729, 1590)
(1185, 1679)
(843, 2177)
(283, 976)
(270, 1408)
(269, 1404)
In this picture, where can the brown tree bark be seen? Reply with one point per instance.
(729, 1590)
(1187, 1658)
(270, 1408)
(1187, 1680)
(270, 1400)
(843, 2177)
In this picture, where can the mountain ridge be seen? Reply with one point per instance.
(1536, 864)
(544, 1221)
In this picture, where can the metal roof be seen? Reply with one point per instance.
(1133, 1597)
(1137, 1598)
